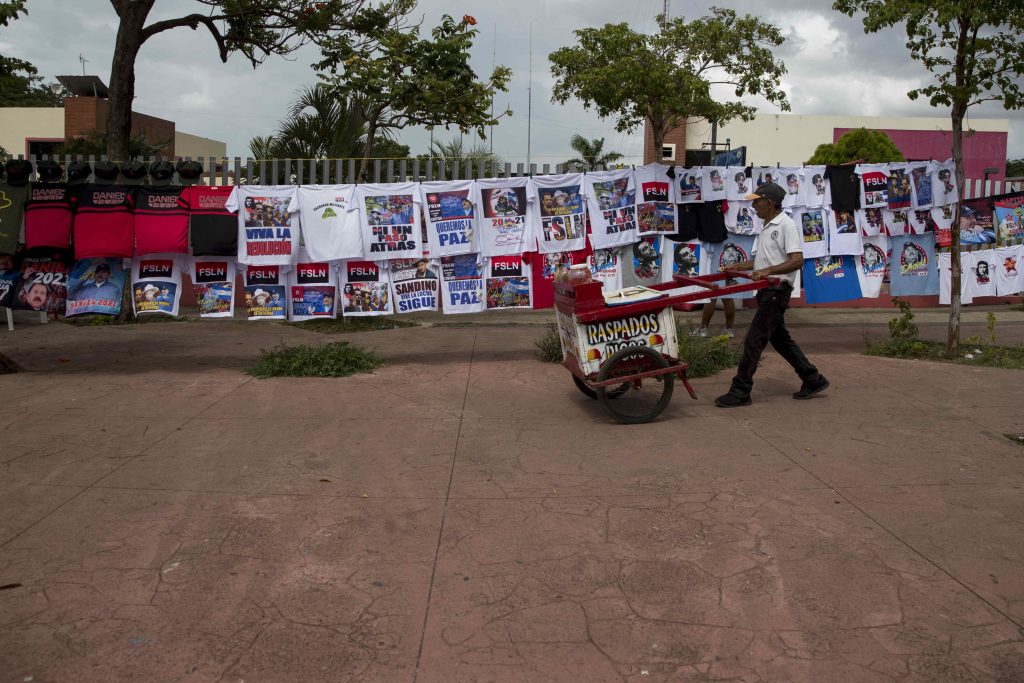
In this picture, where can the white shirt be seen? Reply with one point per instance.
(777, 241)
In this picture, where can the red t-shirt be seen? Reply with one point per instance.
(214, 228)
(161, 220)
(104, 226)
(48, 211)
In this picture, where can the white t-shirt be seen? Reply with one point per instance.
(791, 180)
(689, 185)
(449, 208)
(943, 216)
(506, 227)
(656, 201)
(919, 221)
(330, 229)
(415, 284)
(780, 238)
(843, 235)
(213, 281)
(944, 184)
(814, 230)
(389, 219)
(1009, 265)
(921, 184)
(268, 224)
(611, 200)
(815, 189)
(156, 283)
(507, 283)
(980, 277)
(462, 284)
(312, 289)
(725, 255)
(741, 219)
(871, 265)
(896, 222)
(944, 261)
(606, 268)
(266, 292)
(364, 289)
(870, 221)
(713, 183)
(900, 187)
(689, 259)
(737, 184)
(874, 185)
(559, 212)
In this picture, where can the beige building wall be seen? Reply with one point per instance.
(193, 146)
(19, 123)
(791, 139)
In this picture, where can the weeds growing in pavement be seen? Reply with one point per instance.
(549, 347)
(336, 359)
(706, 356)
(349, 325)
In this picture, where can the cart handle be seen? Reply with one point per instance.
(708, 281)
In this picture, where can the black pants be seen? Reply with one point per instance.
(769, 325)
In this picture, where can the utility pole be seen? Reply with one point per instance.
(664, 11)
(494, 61)
(529, 103)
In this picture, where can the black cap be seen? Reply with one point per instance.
(49, 170)
(18, 171)
(768, 191)
(161, 170)
(135, 170)
(106, 170)
(79, 171)
(189, 170)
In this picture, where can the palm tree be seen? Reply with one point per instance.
(454, 152)
(591, 153)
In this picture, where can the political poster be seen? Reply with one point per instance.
(95, 285)
(365, 290)
(312, 289)
(213, 282)
(462, 279)
(266, 295)
(415, 284)
(507, 284)
(156, 284)
(44, 281)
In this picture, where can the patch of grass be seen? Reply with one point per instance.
(706, 356)
(549, 347)
(101, 320)
(336, 359)
(349, 325)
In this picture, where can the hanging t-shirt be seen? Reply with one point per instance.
(689, 185)
(870, 221)
(103, 222)
(913, 270)
(312, 289)
(977, 222)
(643, 262)
(872, 265)
(741, 219)
(415, 284)
(390, 220)
(711, 222)
(95, 285)
(543, 268)
(813, 225)
(505, 225)
(49, 208)
(686, 259)
(365, 290)
(156, 283)
(686, 218)
(843, 235)
(556, 202)
(268, 224)
(712, 186)
(874, 185)
(830, 279)
(330, 228)
(980, 278)
(507, 283)
(944, 260)
(737, 184)
(944, 184)
(843, 187)
(213, 282)
(1009, 217)
(920, 184)
(213, 228)
(759, 175)
(161, 220)
(790, 180)
(462, 284)
(656, 205)
(10, 282)
(44, 280)
(450, 215)
(1009, 270)
(266, 292)
(814, 189)
(611, 199)
(943, 219)
(895, 222)
(12, 209)
(606, 268)
(735, 249)
(919, 221)
(899, 188)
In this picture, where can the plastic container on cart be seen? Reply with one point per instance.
(579, 274)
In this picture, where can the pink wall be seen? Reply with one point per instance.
(981, 150)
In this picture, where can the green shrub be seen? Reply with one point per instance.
(336, 359)
(549, 347)
(349, 325)
(707, 356)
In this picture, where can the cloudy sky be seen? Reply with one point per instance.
(833, 68)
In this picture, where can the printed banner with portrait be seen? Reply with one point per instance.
(44, 281)
(96, 285)
(364, 289)
(213, 283)
(450, 217)
(462, 280)
(507, 284)
(156, 284)
(266, 292)
(415, 284)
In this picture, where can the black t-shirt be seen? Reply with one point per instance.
(686, 223)
(214, 229)
(711, 222)
(844, 186)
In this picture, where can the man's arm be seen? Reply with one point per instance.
(793, 263)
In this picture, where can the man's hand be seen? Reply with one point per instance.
(760, 274)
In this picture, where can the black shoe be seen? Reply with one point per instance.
(731, 400)
(808, 389)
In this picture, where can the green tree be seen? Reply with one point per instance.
(255, 29)
(20, 82)
(95, 144)
(407, 80)
(1014, 168)
(666, 78)
(591, 153)
(859, 144)
(974, 53)
(454, 152)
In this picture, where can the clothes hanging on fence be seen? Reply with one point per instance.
(103, 222)
(557, 205)
(1009, 270)
(944, 183)
(831, 279)
(844, 188)
(49, 212)
(312, 289)
(330, 226)
(266, 292)
(213, 229)
(462, 284)
(96, 285)
(814, 187)
(689, 185)
(843, 236)
(389, 216)
(156, 283)
(450, 212)
(913, 270)
(268, 224)
(873, 265)
(946, 278)
(656, 200)
(506, 228)
(213, 283)
(735, 249)
(813, 226)
(415, 284)
(611, 200)
(161, 220)
(507, 283)
(713, 183)
(12, 211)
(643, 262)
(980, 277)
(365, 289)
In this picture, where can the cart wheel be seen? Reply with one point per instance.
(614, 392)
(642, 400)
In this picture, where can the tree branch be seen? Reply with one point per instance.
(192, 21)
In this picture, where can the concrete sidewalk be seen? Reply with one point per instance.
(464, 514)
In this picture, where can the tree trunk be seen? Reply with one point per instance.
(959, 109)
(122, 76)
(364, 165)
(658, 133)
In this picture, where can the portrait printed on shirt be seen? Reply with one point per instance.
(561, 213)
(265, 293)
(655, 214)
(10, 278)
(156, 291)
(899, 189)
(463, 283)
(390, 218)
(976, 222)
(689, 185)
(818, 182)
(313, 293)
(913, 260)
(1009, 217)
(268, 226)
(922, 185)
(214, 288)
(732, 254)
(617, 203)
(647, 259)
(745, 219)
(507, 285)
(686, 259)
(872, 261)
(450, 216)
(44, 281)
(604, 267)
(812, 225)
(95, 286)
(876, 186)
(504, 210)
(792, 185)
(982, 269)
(415, 284)
(845, 223)
(365, 289)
